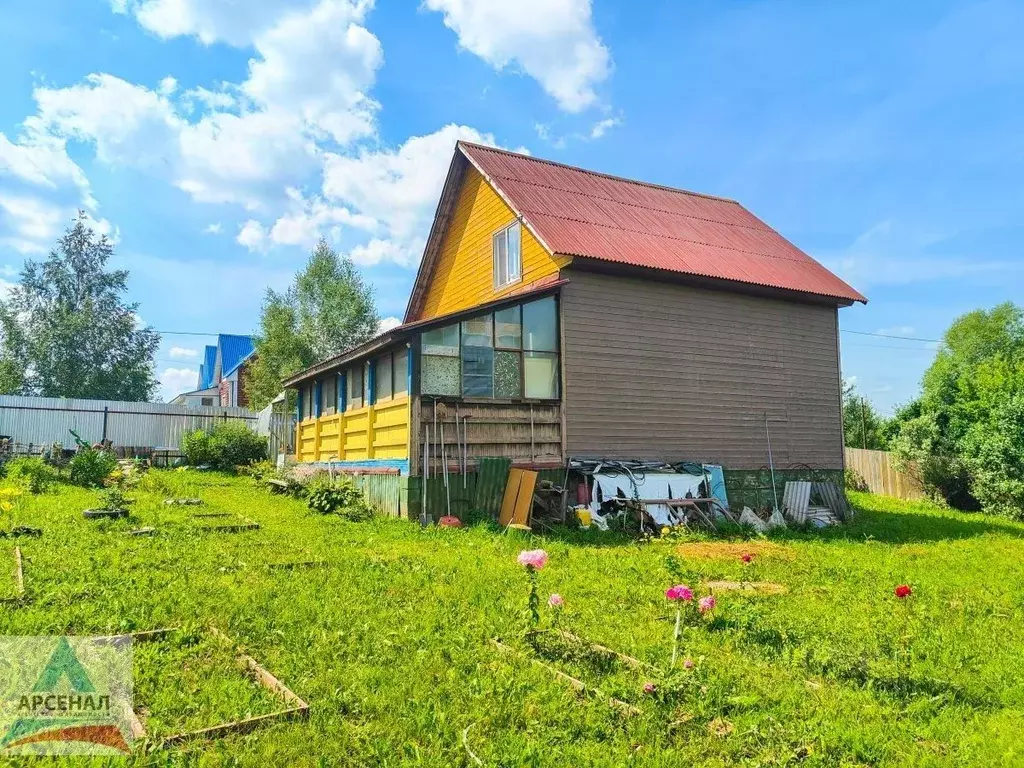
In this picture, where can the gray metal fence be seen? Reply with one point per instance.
(47, 420)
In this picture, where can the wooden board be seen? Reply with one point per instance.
(508, 501)
(518, 499)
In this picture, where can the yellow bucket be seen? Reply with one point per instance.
(583, 515)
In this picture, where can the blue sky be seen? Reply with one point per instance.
(215, 140)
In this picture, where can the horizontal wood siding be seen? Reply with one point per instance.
(524, 433)
(661, 370)
(464, 275)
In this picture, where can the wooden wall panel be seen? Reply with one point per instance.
(464, 274)
(659, 370)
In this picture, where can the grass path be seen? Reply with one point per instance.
(389, 643)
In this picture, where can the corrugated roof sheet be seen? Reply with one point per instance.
(206, 370)
(592, 215)
(234, 350)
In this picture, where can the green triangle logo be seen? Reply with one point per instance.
(64, 663)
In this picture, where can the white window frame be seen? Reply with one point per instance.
(499, 237)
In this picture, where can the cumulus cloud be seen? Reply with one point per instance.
(387, 323)
(552, 41)
(308, 81)
(174, 381)
(397, 188)
(210, 21)
(183, 353)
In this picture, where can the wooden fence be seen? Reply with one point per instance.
(878, 471)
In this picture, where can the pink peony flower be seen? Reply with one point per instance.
(903, 591)
(688, 664)
(533, 558)
(679, 592)
(556, 601)
(649, 687)
(706, 604)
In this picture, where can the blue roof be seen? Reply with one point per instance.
(234, 350)
(206, 369)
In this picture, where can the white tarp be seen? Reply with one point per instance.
(651, 485)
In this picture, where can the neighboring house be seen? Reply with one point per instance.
(221, 373)
(562, 313)
(233, 355)
(198, 397)
(206, 392)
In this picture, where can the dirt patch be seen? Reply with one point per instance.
(734, 550)
(761, 587)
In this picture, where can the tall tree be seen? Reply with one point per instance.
(334, 307)
(965, 404)
(280, 349)
(67, 330)
(863, 426)
(328, 310)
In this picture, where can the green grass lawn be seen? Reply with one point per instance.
(390, 641)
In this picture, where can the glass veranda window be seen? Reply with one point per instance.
(506, 246)
(441, 373)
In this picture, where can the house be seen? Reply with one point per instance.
(560, 312)
(206, 392)
(233, 355)
(221, 373)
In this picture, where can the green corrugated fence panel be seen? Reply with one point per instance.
(492, 477)
(383, 492)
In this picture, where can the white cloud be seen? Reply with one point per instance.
(319, 65)
(390, 193)
(41, 160)
(308, 82)
(128, 124)
(397, 188)
(387, 323)
(210, 21)
(601, 127)
(252, 235)
(174, 381)
(553, 41)
(28, 224)
(183, 353)
(213, 229)
(168, 86)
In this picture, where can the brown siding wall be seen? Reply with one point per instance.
(659, 370)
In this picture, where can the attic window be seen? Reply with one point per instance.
(508, 265)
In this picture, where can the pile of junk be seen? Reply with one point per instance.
(655, 495)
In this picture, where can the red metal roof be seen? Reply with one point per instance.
(592, 215)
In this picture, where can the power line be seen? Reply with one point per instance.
(890, 336)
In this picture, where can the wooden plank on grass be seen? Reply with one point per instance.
(577, 684)
(19, 579)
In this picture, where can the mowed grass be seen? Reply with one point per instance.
(389, 642)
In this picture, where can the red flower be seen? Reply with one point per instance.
(903, 591)
(746, 557)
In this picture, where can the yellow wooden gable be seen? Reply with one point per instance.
(463, 275)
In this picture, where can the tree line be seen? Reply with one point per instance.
(963, 435)
(67, 330)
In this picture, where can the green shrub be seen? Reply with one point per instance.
(994, 452)
(228, 446)
(235, 445)
(32, 474)
(854, 481)
(196, 448)
(336, 496)
(90, 467)
(113, 498)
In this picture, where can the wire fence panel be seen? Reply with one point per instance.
(47, 420)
